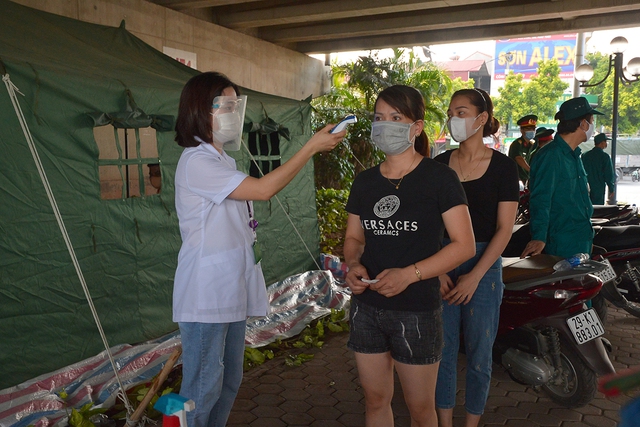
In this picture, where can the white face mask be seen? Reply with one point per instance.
(228, 120)
(589, 132)
(391, 137)
(460, 128)
(227, 127)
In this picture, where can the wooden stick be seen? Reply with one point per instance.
(162, 376)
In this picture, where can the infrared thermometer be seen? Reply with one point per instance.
(351, 118)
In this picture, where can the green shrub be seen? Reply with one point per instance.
(332, 219)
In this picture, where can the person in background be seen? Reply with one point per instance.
(522, 148)
(542, 138)
(559, 204)
(492, 141)
(155, 176)
(599, 170)
(472, 292)
(398, 211)
(219, 281)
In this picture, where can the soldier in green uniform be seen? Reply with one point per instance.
(599, 169)
(522, 148)
(560, 206)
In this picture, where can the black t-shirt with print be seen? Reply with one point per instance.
(498, 184)
(403, 226)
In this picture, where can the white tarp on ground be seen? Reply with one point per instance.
(295, 302)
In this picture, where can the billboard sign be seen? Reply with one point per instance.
(522, 55)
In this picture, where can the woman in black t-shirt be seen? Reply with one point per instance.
(472, 293)
(398, 211)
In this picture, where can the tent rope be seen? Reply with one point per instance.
(346, 144)
(255, 162)
(12, 89)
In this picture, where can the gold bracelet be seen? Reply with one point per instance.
(418, 272)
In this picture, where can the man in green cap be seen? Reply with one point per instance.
(559, 204)
(599, 169)
(521, 149)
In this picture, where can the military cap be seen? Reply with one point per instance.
(601, 137)
(574, 108)
(529, 120)
(543, 132)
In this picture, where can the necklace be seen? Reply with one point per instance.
(464, 178)
(405, 174)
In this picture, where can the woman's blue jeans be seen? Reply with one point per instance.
(478, 319)
(212, 358)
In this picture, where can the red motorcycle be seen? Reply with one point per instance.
(547, 337)
(617, 245)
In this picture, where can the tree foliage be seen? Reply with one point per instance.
(355, 88)
(337, 168)
(510, 104)
(458, 84)
(544, 90)
(539, 96)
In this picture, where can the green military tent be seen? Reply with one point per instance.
(100, 105)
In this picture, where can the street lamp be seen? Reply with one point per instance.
(584, 73)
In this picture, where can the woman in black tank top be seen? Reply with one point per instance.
(472, 293)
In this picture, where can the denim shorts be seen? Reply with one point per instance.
(412, 337)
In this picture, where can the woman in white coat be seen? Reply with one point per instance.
(219, 281)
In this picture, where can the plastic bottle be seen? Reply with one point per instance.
(174, 408)
(569, 263)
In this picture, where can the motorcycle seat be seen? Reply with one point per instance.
(618, 237)
(523, 274)
(605, 211)
(519, 269)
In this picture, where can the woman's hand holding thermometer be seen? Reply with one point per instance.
(351, 118)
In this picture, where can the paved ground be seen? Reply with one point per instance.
(628, 191)
(325, 391)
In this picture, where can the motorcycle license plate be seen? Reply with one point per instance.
(585, 326)
(607, 273)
